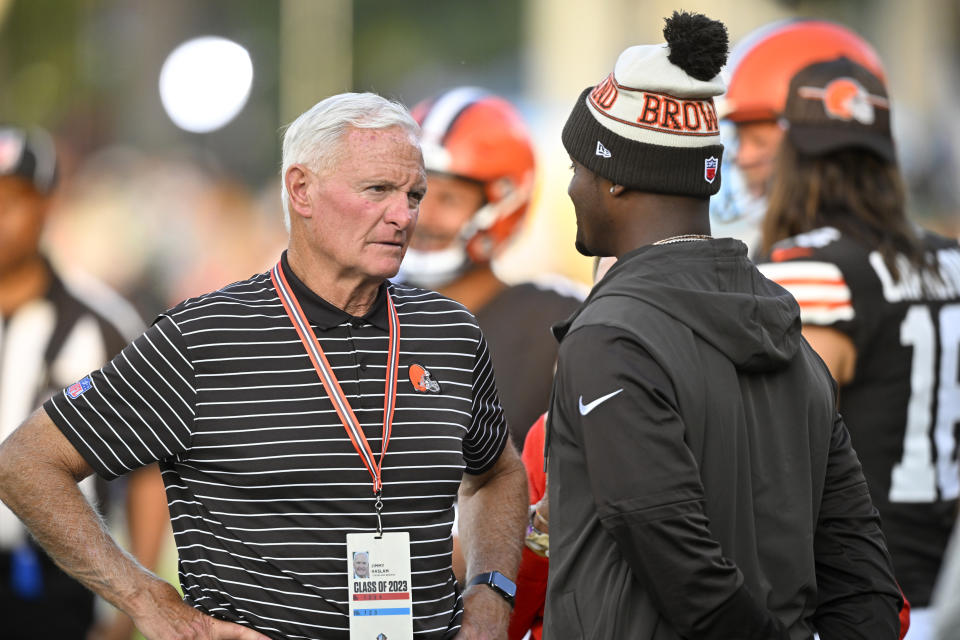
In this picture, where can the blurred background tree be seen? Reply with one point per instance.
(88, 70)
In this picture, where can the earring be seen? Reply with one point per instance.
(613, 188)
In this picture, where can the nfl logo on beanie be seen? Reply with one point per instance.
(651, 124)
(710, 168)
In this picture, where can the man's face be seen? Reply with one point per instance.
(361, 565)
(22, 213)
(448, 206)
(362, 212)
(584, 192)
(757, 144)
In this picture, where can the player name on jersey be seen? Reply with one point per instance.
(917, 285)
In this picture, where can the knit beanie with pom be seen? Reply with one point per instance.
(651, 125)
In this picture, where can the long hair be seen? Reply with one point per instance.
(856, 191)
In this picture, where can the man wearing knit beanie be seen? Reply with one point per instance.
(702, 484)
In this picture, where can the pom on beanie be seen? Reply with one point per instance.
(651, 124)
(698, 45)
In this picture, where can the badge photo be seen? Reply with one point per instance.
(361, 564)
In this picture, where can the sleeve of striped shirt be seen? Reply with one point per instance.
(820, 289)
(137, 409)
(488, 433)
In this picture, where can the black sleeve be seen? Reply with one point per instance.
(137, 409)
(858, 597)
(647, 489)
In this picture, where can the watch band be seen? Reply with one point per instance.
(500, 583)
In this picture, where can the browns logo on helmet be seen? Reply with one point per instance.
(762, 63)
(758, 73)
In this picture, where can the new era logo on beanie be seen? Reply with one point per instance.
(654, 116)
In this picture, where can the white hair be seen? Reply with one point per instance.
(314, 138)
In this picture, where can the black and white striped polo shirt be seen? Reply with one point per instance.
(262, 479)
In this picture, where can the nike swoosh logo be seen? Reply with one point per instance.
(587, 408)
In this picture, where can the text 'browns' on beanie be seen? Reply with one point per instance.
(651, 125)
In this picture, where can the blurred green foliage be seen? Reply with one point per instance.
(38, 60)
(412, 49)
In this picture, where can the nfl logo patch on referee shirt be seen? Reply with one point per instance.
(77, 389)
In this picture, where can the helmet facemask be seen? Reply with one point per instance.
(478, 137)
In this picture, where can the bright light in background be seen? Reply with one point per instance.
(205, 82)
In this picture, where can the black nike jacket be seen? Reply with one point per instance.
(702, 483)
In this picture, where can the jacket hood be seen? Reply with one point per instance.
(712, 288)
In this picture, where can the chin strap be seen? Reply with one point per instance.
(433, 269)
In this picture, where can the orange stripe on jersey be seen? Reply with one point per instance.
(823, 304)
(789, 253)
(831, 282)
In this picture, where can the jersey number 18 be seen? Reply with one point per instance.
(917, 477)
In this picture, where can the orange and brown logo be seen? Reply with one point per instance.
(423, 380)
(846, 99)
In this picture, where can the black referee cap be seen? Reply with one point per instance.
(30, 154)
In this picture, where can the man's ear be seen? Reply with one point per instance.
(297, 180)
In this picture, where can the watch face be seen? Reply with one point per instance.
(503, 583)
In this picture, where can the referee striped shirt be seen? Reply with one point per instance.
(262, 480)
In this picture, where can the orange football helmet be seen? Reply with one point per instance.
(470, 133)
(758, 75)
(762, 64)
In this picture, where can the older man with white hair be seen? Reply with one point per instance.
(287, 419)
